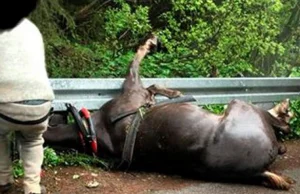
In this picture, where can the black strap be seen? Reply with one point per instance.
(88, 130)
(129, 144)
(176, 100)
(123, 115)
(75, 113)
(168, 101)
(32, 122)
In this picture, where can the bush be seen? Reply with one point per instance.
(96, 38)
(295, 122)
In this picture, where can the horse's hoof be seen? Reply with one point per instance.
(275, 181)
(176, 94)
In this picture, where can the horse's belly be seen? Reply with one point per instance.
(241, 155)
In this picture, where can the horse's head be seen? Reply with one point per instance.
(13, 11)
(283, 114)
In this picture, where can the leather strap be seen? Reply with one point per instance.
(32, 122)
(129, 144)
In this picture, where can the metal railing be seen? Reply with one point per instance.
(93, 93)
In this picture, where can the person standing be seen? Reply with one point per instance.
(25, 93)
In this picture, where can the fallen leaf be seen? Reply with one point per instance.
(92, 184)
(76, 176)
(57, 179)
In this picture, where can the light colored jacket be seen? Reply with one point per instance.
(23, 73)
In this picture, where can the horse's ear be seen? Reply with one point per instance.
(284, 106)
(282, 111)
(279, 116)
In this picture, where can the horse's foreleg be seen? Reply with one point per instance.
(132, 80)
(156, 89)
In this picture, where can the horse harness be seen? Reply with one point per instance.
(87, 132)
(129, 144)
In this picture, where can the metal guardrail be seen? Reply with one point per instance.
(93, 93)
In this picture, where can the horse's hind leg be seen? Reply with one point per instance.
(276, 181)
(156, 89)
(132, 80)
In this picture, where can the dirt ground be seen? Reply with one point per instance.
(66, 180)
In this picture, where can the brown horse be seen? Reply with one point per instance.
(182, 136)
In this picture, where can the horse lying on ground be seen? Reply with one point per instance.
(182, 136)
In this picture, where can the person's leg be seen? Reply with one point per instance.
(30, 139)
(31, 153)
(6, 177)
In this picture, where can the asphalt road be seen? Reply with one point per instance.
(233, 188)
(288, 165)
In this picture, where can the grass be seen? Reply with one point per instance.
(53, 159)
